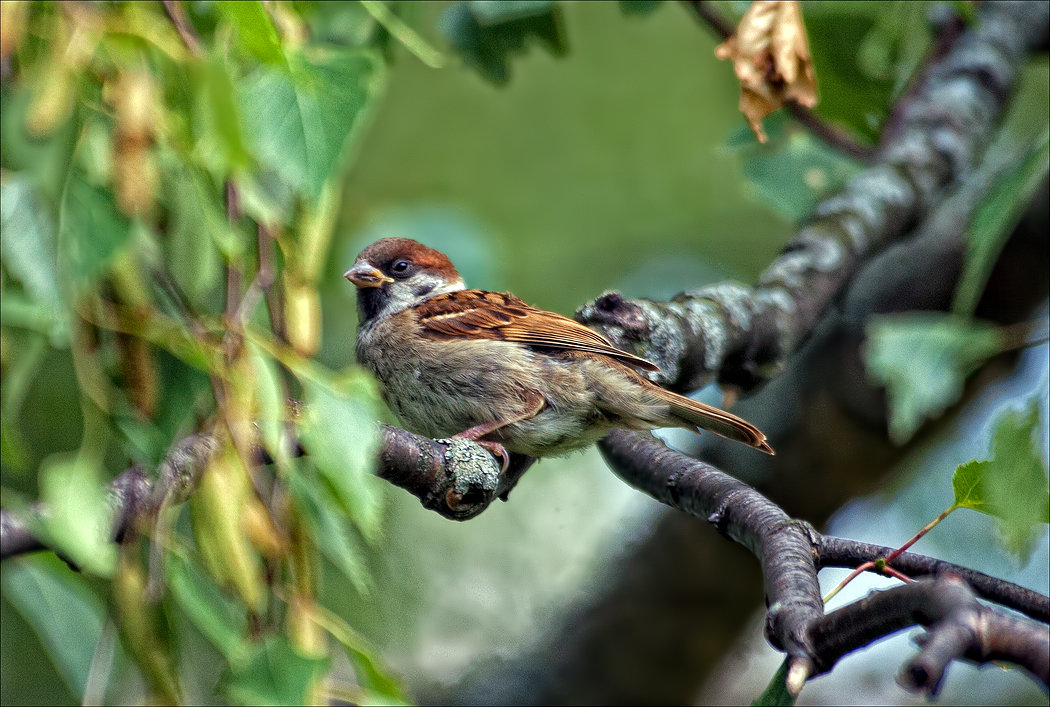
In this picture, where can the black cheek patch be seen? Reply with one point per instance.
(423, 290)
(370, 302)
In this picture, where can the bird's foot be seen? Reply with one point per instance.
(495, 448)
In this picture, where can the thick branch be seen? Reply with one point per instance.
(740, 513)
(744, 334)
(789, 552)
(959, 627)
(455, 478)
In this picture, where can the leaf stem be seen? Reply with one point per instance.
(863, 567)
(412, 40)
(882, 565)
(915, 538)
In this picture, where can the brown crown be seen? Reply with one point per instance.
(386, 250)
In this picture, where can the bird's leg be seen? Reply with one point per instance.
(533, 404)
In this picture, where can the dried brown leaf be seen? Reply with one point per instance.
(770, 54)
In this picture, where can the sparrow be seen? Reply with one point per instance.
(487, 367)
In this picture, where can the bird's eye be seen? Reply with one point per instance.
(399, 267)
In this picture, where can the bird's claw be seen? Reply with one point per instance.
(497, 450)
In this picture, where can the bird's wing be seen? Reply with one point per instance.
(477, 314)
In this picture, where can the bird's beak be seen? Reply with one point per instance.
(364, 274)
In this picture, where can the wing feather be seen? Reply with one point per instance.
(504, 317)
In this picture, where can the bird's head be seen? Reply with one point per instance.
(393, 274)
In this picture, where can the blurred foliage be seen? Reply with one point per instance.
(996, 216)
(167, 172)
(181, 184)
(486, 32)
(776, 693)
(923, 360)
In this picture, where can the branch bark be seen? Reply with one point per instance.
(744, 335)
(790, 552)
(462, 479)
(959, 627)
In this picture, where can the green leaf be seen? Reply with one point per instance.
(13, 453)
(218, 128)
(338, 429)
(848, 95)
(63, 612)
(273, 674)
(194, 229)
(497, 12)
(776, 693)
(267, 199)
(20, 370)
(923, 359)
(27, 242)
(397, 28)
(216, 616)
(255, 29)
(380, 687)
(43, 159)
(486, 32)
(995, 218)
(80, 518)
(299, 125)
(793, 170)
(92, 230)
(20, 311)
(270, 399)
(968, 486)
(1011, 486)
(328, 529)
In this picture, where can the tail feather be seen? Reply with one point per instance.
(693, 413)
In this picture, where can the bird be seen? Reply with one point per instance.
(485, 366)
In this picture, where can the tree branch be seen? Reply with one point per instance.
(959, 627)
(839, 552)
(744, 334)
(790, 553)
(182, 25)
(133, 496)
(457, 479)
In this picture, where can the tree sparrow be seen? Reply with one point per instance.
(486, 366)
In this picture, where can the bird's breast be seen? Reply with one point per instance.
(439, 388)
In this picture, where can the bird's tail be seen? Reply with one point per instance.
(692, 414)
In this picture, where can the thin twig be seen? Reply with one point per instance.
(182, 25)
(268, 276)
(832, 135)
(714, 19)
